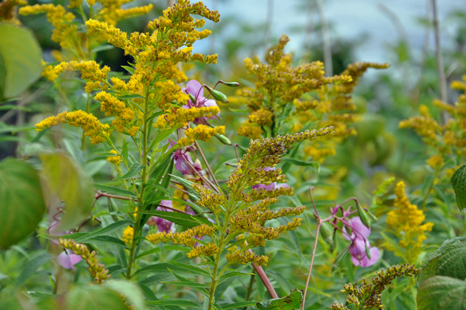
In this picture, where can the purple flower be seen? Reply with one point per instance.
(183, 161)
(162, 224)
(359, 242)
(68, 259)
(197, 91)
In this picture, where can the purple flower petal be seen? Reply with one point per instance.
(359, 228)
(263, 186)
(375, 255)
(68, 259)
(194, 87)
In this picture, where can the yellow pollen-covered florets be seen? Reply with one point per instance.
(406, 222)
(92, 127)
(128, 235)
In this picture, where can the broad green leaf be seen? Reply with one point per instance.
(20, 60)
(448, 260)
(114, 190)
(238, 305)
(116, 269)
(458, 181)
(129, 290)
(133, 172)
(298, 162)
(22, 202)
(173, 302)
(31, 267)
(180, 218)
(67, 180)
(290, 302)
(441, 292)
(94, 297)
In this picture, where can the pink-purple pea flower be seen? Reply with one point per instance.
(359, 242)
(197, 91)
(67, 259)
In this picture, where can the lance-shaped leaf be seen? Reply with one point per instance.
(458, 180)
(95, 297)
(182, 219)
(71, 184)
(22, 202)
(290, 302)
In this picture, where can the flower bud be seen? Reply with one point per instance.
(230, 84)
(326, 232)
(223, 139)
(193, 100)
(339, 259)
(217, 95)
(373, 217)
(368, 251)
(364, 217)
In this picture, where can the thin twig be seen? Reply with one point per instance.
(326, 40)
(438, 53)
(206, 163)
(312, 262)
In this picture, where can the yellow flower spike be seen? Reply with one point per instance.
(128, 235)
(116, 160)
(92, 127)
(406, 223)
(251, 132)
(7, 9)
(203, 132)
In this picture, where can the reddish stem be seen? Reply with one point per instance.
(312, 261)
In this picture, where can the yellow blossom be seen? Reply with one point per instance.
(406, 223)
(128, 235)
(92, 127)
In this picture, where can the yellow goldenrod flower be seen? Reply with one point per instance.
(92, 127)
(7, 10)
(406, 223)
(252, 132)
(64, 32)
(128, 235)
(203, 132)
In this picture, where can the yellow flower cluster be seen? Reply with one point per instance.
(201, 132)
(64, 33)
(90, 71)
(406, 222)
(180, 117)
(207, 250)
(116, 160)
(186, 237)
(92, 127)
(49, 72)
(261, 117)
(7, 10)
(97, 270)
(285, 90)
(252, 132)
(128, 234)
(236, 255)
(448, 139)
(157, 54)
(124, 116)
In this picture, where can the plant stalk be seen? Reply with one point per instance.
(312, 262)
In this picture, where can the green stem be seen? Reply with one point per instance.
(83, 139)
(137, 227)
(423, 204)
(248, 294)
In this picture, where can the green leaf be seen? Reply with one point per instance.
(107, 240)
(188, 185)
(290, 302)
(130, 291)
(448, 260)
(114, 190)
(14, 107)
(180, 218)
(441, 292)
(129, 69)
(104, 47)
(67, 180)
(95, 297)
(177, 267)
(458, 181)
(127, 97)
(20, 59)
(166, 247)
(298, 162)
(173, 302)
(22, 202)
(133, 172)
(31, 267)
(238, 305)
(101, 232)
